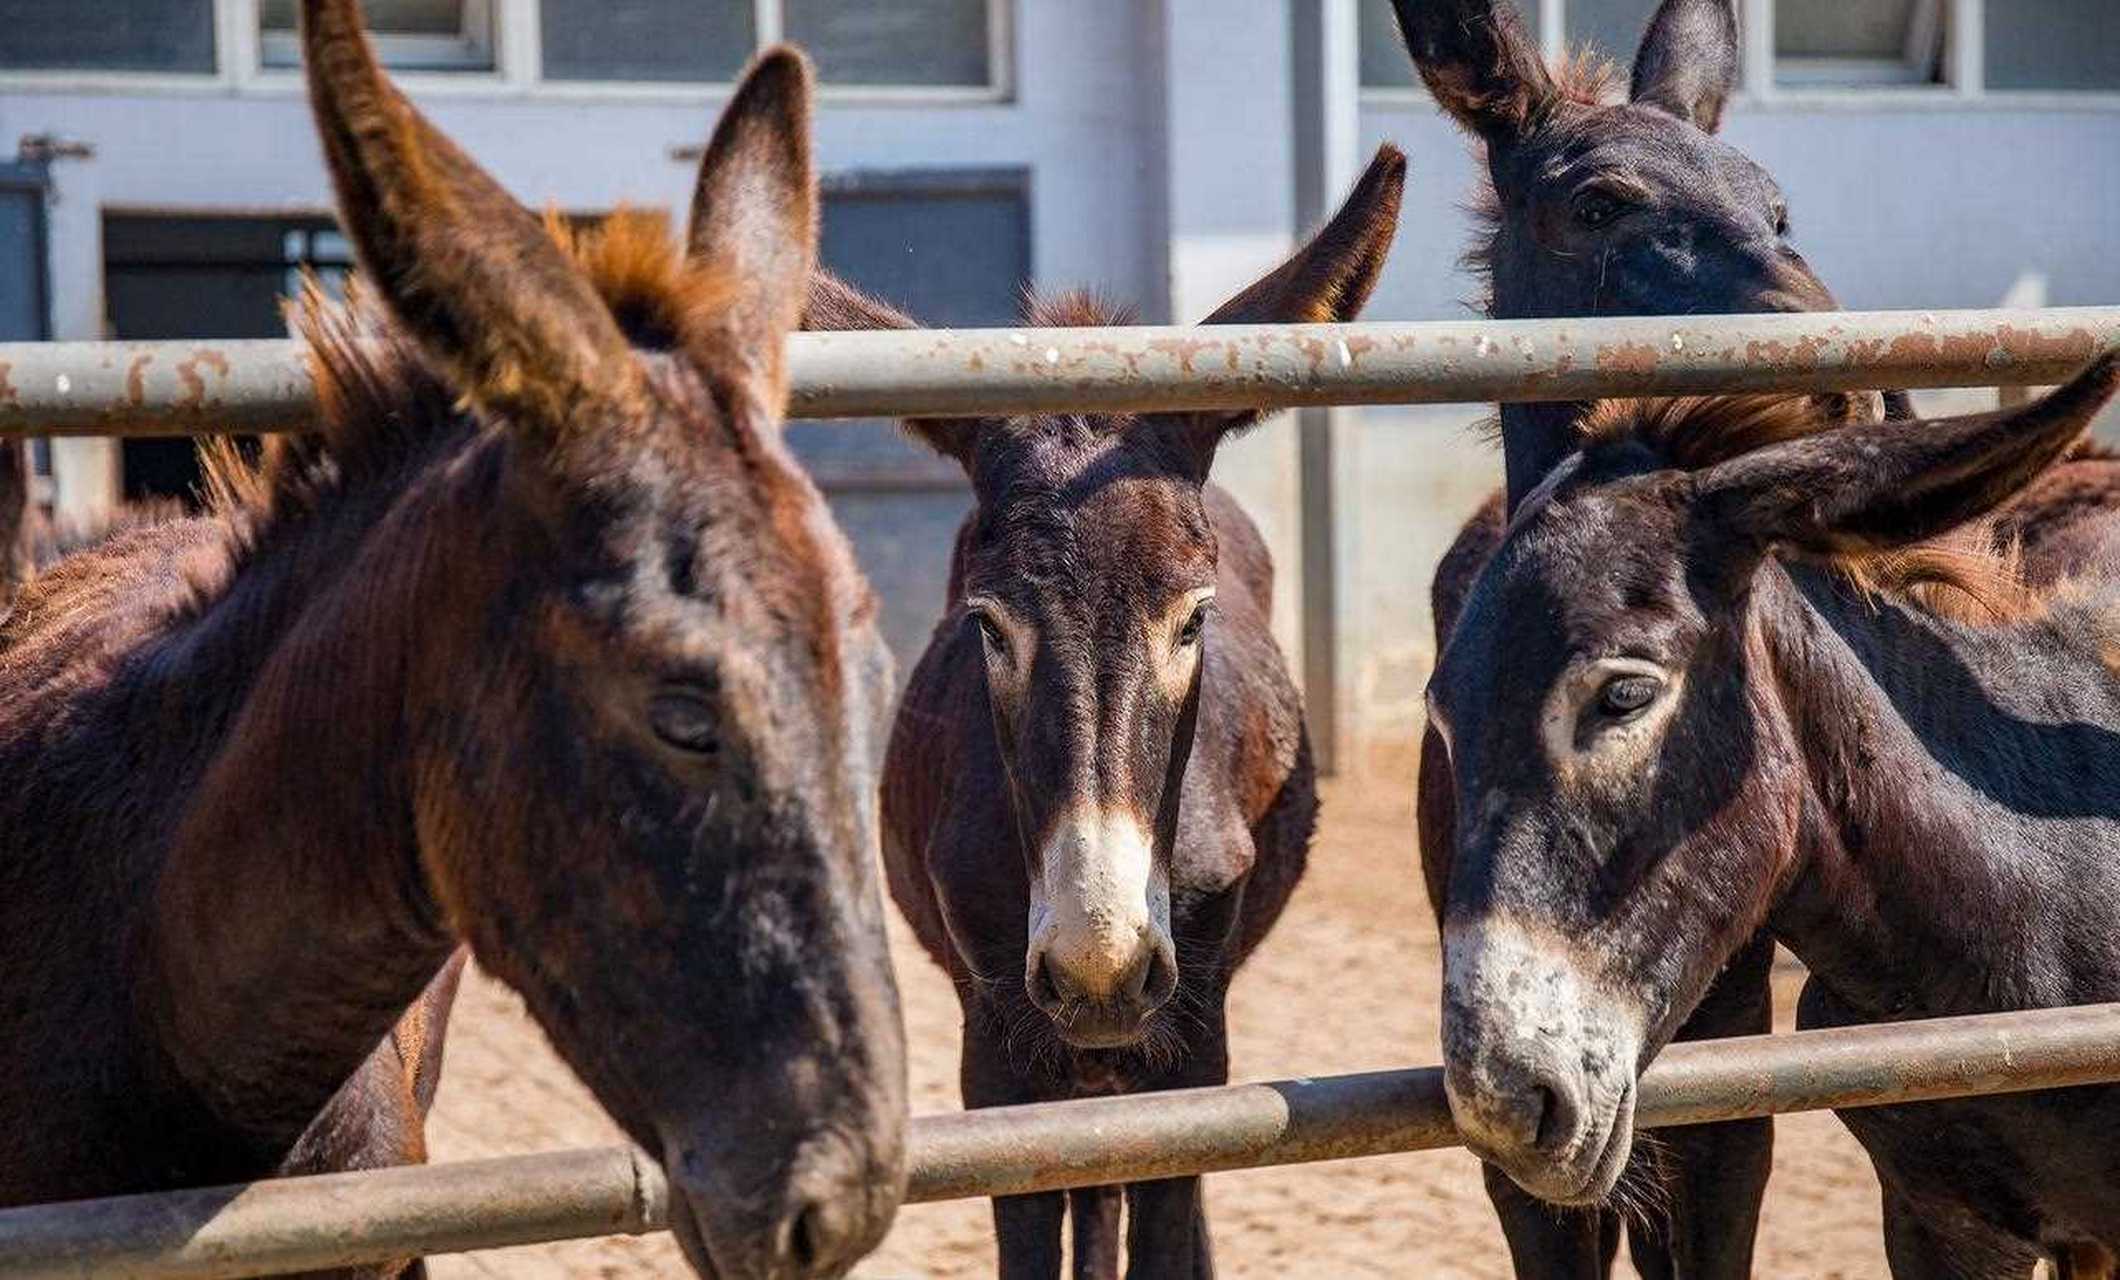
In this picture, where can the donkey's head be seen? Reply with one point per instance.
(1624, 756)
(1632, 208)
(1086, 579)
(647, 799)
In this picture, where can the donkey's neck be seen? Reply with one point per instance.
(1955, 853)
(254, 860)
(1535, 437)
(292, 924)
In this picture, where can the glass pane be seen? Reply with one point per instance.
(398, 17)
(1858, 42)
(123, 35)
(1613, 27)
(920, 42)
(683, 40)
(2053, 44)
(1384, 61)
(1842, 28)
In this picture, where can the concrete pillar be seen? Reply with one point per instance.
(1229, 217)
(1325, 44)
(86, 473)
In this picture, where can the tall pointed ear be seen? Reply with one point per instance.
(1327, 281)
(754, 212)
(468, 272)
(1478, 62)
(1687, 64)
(836, 306)
(1886, 486)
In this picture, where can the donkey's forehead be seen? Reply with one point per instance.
(1650, 143)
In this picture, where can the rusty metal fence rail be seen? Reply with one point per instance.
(343, 1219)
(179, 388)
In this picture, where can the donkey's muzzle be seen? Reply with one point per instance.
(829, 1207)
(1103, 1006)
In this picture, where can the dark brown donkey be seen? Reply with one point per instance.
(1598, 206)
(1099, 795)
(545, 644)
(1731, 725)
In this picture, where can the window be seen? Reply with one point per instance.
(410, 35)
(703, 41)
(1383, 54)
(1858, 42)
(204, 277)
(1612, 27)
(2053, 44)
(905, 42)
(122, 35)
(917, 43)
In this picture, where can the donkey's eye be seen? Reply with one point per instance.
(1781, 221)
(1189, 634)
(1595, 209)
(990, 631)
(1624, 696)
(686, 721)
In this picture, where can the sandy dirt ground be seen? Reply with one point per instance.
(1348, 982)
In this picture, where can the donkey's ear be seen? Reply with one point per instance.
(835, 305)
(1327, 281)
(754, 212)
(1895, 483)
(1478, 62)
(1687, 64)
(471, 275)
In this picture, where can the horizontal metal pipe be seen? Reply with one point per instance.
(177, 388)
(344, 1219)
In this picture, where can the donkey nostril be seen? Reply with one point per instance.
(806, 1238)
(1545, 1117)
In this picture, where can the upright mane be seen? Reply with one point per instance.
(1969, 576)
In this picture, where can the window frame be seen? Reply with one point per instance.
(1962, 88)
(514, 38)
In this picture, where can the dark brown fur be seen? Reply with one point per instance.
(1733, 725)
(543, 644)
(1060, 684)
(1595, 205)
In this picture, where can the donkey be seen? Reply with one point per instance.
(1595, 207)
(1732, 726)
(545, 644)
(1098, 794)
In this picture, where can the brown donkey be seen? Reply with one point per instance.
(1734, 724)
(545, 644)
(1598, 206)
(1098, 794)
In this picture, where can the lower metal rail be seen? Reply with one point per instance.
(299, 1224)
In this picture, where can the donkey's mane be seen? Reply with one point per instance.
(381, 405)
(1075, 309)
(1968, 576)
